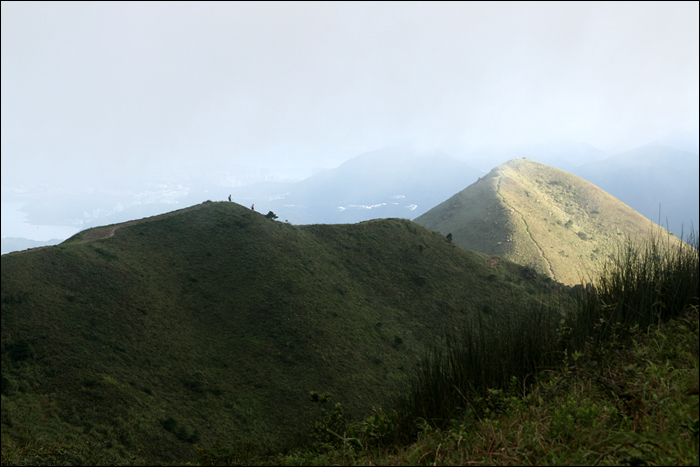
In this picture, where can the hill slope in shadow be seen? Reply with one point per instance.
(213, 323)
(540, 216)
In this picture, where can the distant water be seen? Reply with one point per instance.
(14, 224)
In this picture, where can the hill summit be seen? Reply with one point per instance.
(539, 216)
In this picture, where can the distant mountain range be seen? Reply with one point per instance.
(9, 244)
(539, 216)
(659, 182)
(389, 182)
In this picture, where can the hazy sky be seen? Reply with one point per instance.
(113, 88)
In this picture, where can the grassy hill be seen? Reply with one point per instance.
(210, 325)
(540, 216)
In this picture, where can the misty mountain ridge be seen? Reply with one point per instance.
(659, 182)
(10, 244)
(388, 182)
(682, 140)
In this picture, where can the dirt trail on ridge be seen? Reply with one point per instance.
(527, 229)
(97, 233)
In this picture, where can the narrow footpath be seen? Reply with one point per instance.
(527, 229)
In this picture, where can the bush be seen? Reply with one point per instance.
(195, 437)
(420, 280)
(170, 424)
(529, 272)
(108, 255)
(331, 426)
(271, 215)
(21, 350)
(6, 386)
(182, 433)
(195, 382)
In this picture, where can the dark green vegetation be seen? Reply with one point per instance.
(209, 326)
(615, 381)
(540, 216)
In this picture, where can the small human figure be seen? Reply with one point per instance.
(229, 197)
(252, 207)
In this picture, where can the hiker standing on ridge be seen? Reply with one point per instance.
(252, 207)
(229, 197)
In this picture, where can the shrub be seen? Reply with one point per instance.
(21, 350)
(420, 280)
(195, 382)
(271, 215)
(330, 426)
(108, 255)
(194, 437)
(377, 429)
(9, 299)
(182, 434)
(529, 272)
(6, 386)
(170, 424)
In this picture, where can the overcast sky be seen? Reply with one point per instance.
(114, 88)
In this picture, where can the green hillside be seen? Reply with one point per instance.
(210, 326)
(537, 215)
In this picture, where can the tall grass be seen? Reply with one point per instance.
(644, 284)
(651, 282)
(485, 354)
